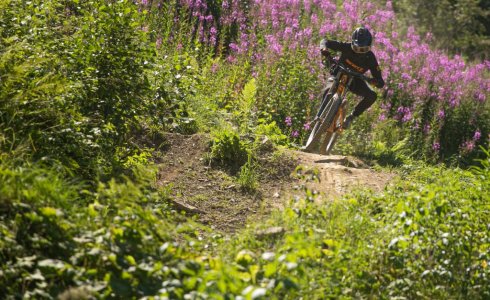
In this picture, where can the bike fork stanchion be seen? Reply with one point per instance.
(333, 131)
(325, 143)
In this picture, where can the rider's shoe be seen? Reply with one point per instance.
(347, 122)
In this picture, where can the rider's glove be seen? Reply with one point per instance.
(323, 48)
(325, 52)
(323, 44)
(373, 81)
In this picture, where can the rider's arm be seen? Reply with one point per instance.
(376, 72)
(333, 45)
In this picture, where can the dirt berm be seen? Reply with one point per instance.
(214, 196)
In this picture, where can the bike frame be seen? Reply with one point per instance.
(343, 85)
(331, 113)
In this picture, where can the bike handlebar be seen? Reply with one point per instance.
(347, 70)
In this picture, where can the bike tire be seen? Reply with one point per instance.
(316, 133)
(313, 138)
(327, 142)
(324, 143)
(331, 143)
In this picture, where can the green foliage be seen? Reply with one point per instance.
(246, 105)
(109, 56)
(272, 132)
(459, 26)
(173, 81)
(288, 88)
(228, 150)
(119, 245)
(248, 175)
(34, 93)
(454, 132)
(80, 85)
(35, 224)
(427, 236)
(384, 142)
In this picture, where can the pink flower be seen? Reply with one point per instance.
(306, 126)
(233, 47)
(231, 59)
(468, 146)
(407, 116)
(288, 121)
(477, 135)
(405, 76)
(295, 133)
(436, 146)
(441, 114)
(481, 96)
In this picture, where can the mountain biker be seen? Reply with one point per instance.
(358, 57)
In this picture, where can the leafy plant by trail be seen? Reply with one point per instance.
(247, 177)
(426, 236)
(228, 150)
(116, 246)
(80, 84)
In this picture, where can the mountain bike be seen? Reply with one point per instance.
(329, 121)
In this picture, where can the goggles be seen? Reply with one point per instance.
(362, 49)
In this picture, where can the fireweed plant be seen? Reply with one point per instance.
(437, 101)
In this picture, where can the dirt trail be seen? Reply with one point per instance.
(339, 174)
(217, 199)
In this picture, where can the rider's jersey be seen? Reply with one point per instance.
(359, 62)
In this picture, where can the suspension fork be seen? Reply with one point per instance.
(341, 116)
(338, 121)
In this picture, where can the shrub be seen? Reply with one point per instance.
(228, 150)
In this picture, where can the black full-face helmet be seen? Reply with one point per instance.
(361, 40)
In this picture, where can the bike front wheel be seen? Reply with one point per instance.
(323, 124)
(328, 143)
(318, 127)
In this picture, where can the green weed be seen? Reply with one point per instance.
(248, 176)
(228, 150)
